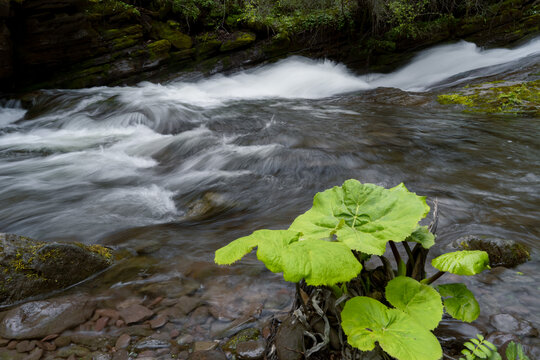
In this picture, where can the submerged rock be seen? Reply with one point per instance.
(507, 253)
(29, 268)
(38, 319)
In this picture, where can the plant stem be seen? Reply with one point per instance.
(433, 278)
(408, 250)
(395, 252)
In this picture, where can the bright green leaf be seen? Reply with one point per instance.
(280, 250)
(315, 261)
(466, 262)
(421, 302)
(366, 321)
(459, 302)
(363, 216)
(273, 240)
(423, 236)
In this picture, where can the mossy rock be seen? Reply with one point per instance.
(208, 48)
(497, 98)
(158, 49)
(507, 253)
(29, 268)
(238, 40)
(242, 336)
(170, 31)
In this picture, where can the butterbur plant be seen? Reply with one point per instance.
(325, 250)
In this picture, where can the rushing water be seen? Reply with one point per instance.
(134, 166)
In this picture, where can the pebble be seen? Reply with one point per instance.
(4, 342)
(135, 313)
(156, 301)
(204, 345)
(120, 355)
(186, 339)
(123, 341)
(45, 345)
(250, 350)
(50, 337)
(62, 341)
(35, 354)
(25, 346)
(174, 333)
(12, 345)
(110, 313)
(120, 323)
(101, 323)
(187, 304)
(207, 355)
(158, 322)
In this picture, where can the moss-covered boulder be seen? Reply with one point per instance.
(238, 40)
(170, 31)
(29, 268)
(498, 97)
(507, 253)
(158, 50)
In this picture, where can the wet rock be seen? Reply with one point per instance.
(123, 341)
(47, 346)
(12, 345)
(37, 319)
(3, 342)
(7, 354)
(187, 304)
(149, 343)
(135, 313)
(170, 31)
(35, 354)
(100, 356)
(73, 350)
(138, 330)
(207, 355)
(204, 345)
(25, 346)
(29, 268)
(242, 336)
(507, 253)
(498, 338)
(239, 40)
(120, 355)
(92, 341)
(289, 339)
(509, 324)
(62, 341)
(158, 322)
(251, 350)
(210, 204)
(101, 323)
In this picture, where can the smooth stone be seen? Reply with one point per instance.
(73, 350)
(510, 324)
(101, 323)
(251, 350)
(289, 339)
(120, 355)
(37, 319)
(35, 354)
(204, 345)
(62, 341)
(25, 346)
(100, 356)
(147, 343)
(207, 355)
(187, 304)
(158, 322)
(92, 340)
(135, 313)
(123, 341)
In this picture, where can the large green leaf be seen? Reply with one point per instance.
(272, 241)
(319, 262)
(366, 321)
(459, 302)
(363, 216)
(467, 262)
(422, 302)
(423, 236)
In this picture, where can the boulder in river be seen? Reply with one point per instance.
(507, 253)
(29, 268)
(37, 319)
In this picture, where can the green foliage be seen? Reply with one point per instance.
(363, 216)
(421, 302)
(515, 352)
(366, 321)
(346, 225)
(480, 348)
(280, 250)
(403, 15)
(459, 302)
(465, 262)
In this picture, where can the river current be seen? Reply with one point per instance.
(173, 171)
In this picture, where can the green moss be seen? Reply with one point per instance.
(519, 99)
(169, 31)
(158, 49)
(239, 40)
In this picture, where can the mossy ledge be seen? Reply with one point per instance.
(29, 268)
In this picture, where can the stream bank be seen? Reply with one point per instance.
(84, 43)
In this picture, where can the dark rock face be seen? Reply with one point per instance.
(507, 253)
(6, 48)
(29, 268)
(37, 319)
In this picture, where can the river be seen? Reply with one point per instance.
(173, 171)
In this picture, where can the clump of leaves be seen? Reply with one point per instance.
(479, 348)
(328, 245)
